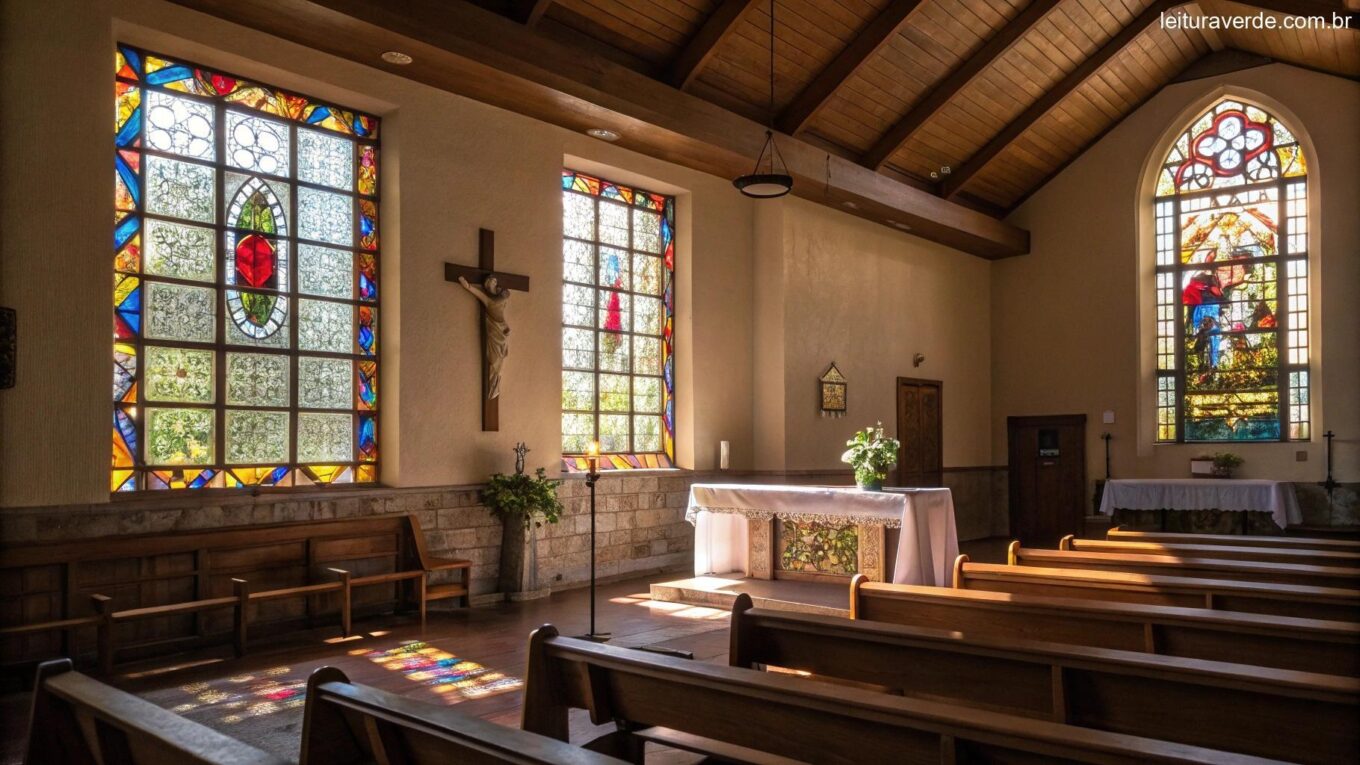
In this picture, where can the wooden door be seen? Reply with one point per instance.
(1047, 468)
(920, 429)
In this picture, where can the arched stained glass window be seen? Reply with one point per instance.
(1231, 213)
(246, 283)
(618, 316)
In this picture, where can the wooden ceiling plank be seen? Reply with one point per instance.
(722, 23)
(957, 179)
(959, 79)
(528, 12)
(475, 53)
(862, 47)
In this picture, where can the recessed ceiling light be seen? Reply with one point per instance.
(604, 134)
(396, 57)
(899, 225)
(851, 204)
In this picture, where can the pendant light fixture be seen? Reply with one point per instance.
(770, 178)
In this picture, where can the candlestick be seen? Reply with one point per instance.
(724, 453)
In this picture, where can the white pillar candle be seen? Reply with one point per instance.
(724, 452)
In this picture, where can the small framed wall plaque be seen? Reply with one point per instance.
(832, 386)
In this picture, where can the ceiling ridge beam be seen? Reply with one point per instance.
(925, 108)
(862, 47)
(717, 27)
(955, 181)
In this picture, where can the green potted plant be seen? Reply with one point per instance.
(871, 454)
(1225, 463)
(523, 503)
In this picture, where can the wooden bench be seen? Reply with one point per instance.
(77, 719)
(1308, 645)
(1233, 707)
(1236, 540)
(1226, 552)
(1225, 595)
(738, 715)
(348, 724)
(1204, 568)
(184, 589)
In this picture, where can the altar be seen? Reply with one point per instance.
(897, 535)
(1235, 495)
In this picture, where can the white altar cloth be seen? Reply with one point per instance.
(925, 552)
(1236, 494)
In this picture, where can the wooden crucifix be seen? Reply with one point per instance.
(492, 290)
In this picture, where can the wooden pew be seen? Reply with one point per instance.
(77, 720)
(1225, 552)
(1225, 595)
(1234, 540)
(743, 716)
(1205, 568)
(348, 724)
(152, 594)
(1308, 645)
(1233, 707)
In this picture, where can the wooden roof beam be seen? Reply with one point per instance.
(956, 180)
(865, 44)
(465, 49)
(717, 27)
(528, 12)
(901, 132)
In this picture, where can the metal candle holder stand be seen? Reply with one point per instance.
(593, 475)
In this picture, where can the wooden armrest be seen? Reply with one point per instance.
(441, 564)
(292, 592)
(711, 747)
(395, 576)
(172, 609)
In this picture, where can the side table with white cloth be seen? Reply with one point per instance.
(743, 528)
(1238, 495)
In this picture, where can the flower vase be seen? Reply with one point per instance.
(873, 484)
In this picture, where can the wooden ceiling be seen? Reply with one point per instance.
(939, 116)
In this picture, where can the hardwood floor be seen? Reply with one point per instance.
(472, 658)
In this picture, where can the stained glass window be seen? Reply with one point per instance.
(245, 289)
(618, 312)
(1232, 281)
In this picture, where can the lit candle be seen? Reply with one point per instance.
(724, 454)
(593, 456)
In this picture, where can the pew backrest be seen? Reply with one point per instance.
(349, 724)
(787, 717)
(1207, 568)
(1233, 707)
(1236, 540)
(76, 720)
(1329, 603)
(1308, 645)
(1226, 552)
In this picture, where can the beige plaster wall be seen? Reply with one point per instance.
(1070, 320)
(869, 298)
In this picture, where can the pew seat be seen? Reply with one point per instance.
(1309, 645)
(1329, 603)
(76, 719)
(349, 724)
(768, 718)
(1226, 552)
(1233, 707)
(1169, 565)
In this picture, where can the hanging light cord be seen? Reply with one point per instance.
(770, 111)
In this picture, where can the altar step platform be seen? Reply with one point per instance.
(831, 598)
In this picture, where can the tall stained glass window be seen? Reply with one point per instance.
(245, 294)
(1232, 281)
(618, 307)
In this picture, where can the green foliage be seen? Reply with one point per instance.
(1227, 461)
(531, 499)
(871, 454)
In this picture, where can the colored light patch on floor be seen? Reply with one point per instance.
(454, 678)
(234, 699)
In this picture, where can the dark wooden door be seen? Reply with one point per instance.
(1047, 469)
(920, 429)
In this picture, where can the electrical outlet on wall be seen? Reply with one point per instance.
(1107, 417)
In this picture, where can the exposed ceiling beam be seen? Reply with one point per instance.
(867, 42)
(1304, 7)
(1054, 95)
(898, 135)
(717, 27)
(465, 49)
(528, 12)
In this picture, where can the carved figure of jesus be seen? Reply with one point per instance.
(495, 330)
